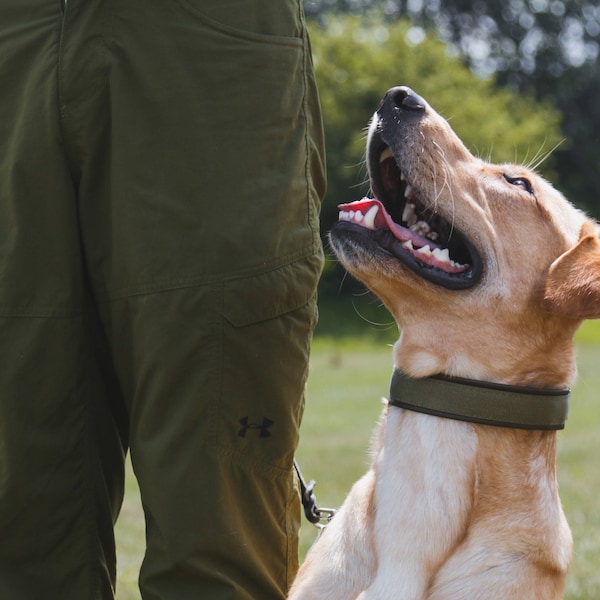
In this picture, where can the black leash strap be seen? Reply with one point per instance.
(319, 517)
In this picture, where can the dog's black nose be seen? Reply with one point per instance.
(404, 98)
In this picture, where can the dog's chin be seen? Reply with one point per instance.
(366, 252)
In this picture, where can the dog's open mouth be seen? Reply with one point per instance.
(409, 228)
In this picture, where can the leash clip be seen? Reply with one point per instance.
(325, 516)
(319, 517)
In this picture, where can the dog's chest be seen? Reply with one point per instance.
(430, 494)
(425, 472)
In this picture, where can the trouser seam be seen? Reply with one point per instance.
(90, 509)
(220, 341)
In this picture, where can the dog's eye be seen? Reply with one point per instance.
(521, 182)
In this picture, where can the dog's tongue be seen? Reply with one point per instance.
(370, 213)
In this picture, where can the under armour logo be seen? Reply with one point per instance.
(264, 427)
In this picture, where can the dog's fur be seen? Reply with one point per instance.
(451, 510)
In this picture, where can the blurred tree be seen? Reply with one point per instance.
(548, 48)
(521, 39)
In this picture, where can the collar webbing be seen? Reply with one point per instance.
(481, 401)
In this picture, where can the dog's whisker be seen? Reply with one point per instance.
(360, 184)
(541, 156)
(382, 326)
(340, 287)
(362, 294)
(445, 168)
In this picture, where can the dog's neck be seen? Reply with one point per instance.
(543, 358)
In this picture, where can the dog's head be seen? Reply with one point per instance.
(487, 269)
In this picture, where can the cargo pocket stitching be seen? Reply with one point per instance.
(240, 34)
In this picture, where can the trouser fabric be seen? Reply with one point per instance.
(161, 173)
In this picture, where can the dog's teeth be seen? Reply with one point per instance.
(369, 219)
(442, 255)
(408, 191)
(433, 236)
(420, 227)
(387, 153)
(408, 245)
(351, 215)
(426, 250)
(409, 213)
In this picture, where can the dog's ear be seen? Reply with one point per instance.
(572, 287)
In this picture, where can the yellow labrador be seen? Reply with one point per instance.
(488, 271)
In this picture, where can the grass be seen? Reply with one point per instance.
(348, 377)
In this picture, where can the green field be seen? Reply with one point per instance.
(348, 378)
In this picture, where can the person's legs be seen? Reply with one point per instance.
(199, 213)
(215, 413)
(61, 452)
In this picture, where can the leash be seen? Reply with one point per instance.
(319, 517)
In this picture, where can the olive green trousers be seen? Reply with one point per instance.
(161, 173)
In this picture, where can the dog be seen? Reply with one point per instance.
(488, 271)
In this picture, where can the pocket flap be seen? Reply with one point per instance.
(268, 295)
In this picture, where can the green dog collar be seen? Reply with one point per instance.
(481, 402)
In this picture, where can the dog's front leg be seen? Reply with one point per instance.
(342, 562)
(423, 497)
